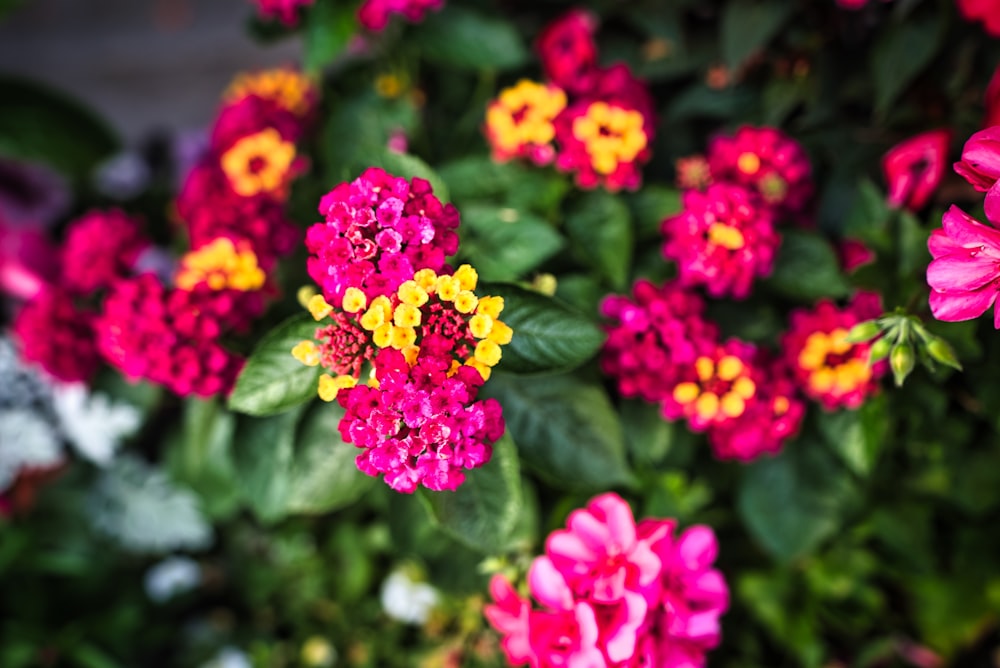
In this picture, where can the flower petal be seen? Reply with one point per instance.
(957, 306)
(957, 272)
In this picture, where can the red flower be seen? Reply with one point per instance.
(987, 11)
(567, 50)
(914, 168)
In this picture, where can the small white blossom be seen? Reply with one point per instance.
(228, 657)
(22, 385)
(407, 601)
(171, 577)
(92, 422)
(26, 441)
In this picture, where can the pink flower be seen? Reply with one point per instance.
(914, 168)
(852, 4)
(100, 247)
(766, 160)
(651, 337)
(509, 615)
(854, 254)
(723, 239)
(825, 365)
(54, 333)
(286, 11)
(28, 261)
(567, 49)
(987, 11)
(374, 14)
(980, 163)
(964, 275)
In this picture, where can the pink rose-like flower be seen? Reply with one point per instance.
(964, 275)
(568, 51)
(914, 168)
(509, 615)
(986, 11)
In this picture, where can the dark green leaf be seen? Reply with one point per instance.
(748, 25)
(565, 428)
(650, 206)
(408, 166)
(272, 380)
(263, 456)
(807, 268)
(359, 128)
(324, 476)
(901, 53)
(484, 511)
(202, 458)
(792, 502)
(467, 39)
(43, 125)
(856, 436)
(329, 26)
(504, 243)
(700, 101)
(600, 226)
(647, 433)
(548, 335)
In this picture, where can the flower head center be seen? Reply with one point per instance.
(221, 265)
(258, 163)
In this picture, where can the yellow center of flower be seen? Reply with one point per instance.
(721, 391)
(388, 85)
(522, 115)
(221, 264)
(612, 135)
(287, 88)
(730, 238)
(832, 368)
(258, 163)
(748, 163)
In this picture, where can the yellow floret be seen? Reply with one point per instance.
(481, 325)
(467, 277)
(501, 333)
(306, 352)
(318, 307)
(491, 306)
(354, 300)
(406, 316)
(488, 352)
(411, 293)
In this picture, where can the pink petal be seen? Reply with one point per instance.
(703, 627)
(548, 586)
(992, 203)
(591, 531)
(961, 272)
(966, 230)
(697, 547)
(957, 306)
(708, 588)
(563, 545)
(940, 244)
(618, 517)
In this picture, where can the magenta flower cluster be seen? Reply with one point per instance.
(610, 593)
(378, 231)
(420, 426)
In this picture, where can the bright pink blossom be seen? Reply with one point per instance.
(914, 168)
(374, 14)
(28, 261)
(100, 247)
(827, 367)
(652, 336)
(964, 275)
(980, 163)
(378, 231)
(853, 254)
(567, 50)
(986, 11)
(766, 160)
(723, 239)
(286, 11)
(54, 333)
(420, 426)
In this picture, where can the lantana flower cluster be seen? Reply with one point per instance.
(117, 299)
(609, 593)
(595, 122)
(391, 304)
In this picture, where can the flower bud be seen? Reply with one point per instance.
(941, 351)
(864, 331)
(879, 350)
(901, 360)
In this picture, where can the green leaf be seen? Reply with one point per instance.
(272, 380)
(600, 226)
(40, 124)
(650, 206)
(503, 243)
(407, 166)
(359, 128)
(748, 25)
(469, 40)
(202, 458)
(901, 52)
(329, 27)
(565, 428)
(807, 268)
(857, 437)
(324, 476)
(549, 337)
(700, 101)
(263, 462)
(484, 511)
(647, 433)
(791, 503)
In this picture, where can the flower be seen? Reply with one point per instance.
(853, 254)
(611, 593)
(221, 265)
(286, 11)
(651, 337)
(986, 11)
(766, 160)
(93, 423)
(374, 14)
(27, 441)
(964, 275)
(722, 239)
(914, 168)
(567, 49)
(980, 163)
(693, 172)
(260, 163)
(100, 246)
(284, 87)
(28, 261)
(519, 123)
(602, 143)
(378, 231)
(171, 577)
(826, 366)
(406, 600)
(991, 101)
(58, 336)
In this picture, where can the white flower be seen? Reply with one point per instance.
(407, 601)
(170, 577)
(228, 657)
(26, 441)
(92, 422)
(22, 385)
(144, 511)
